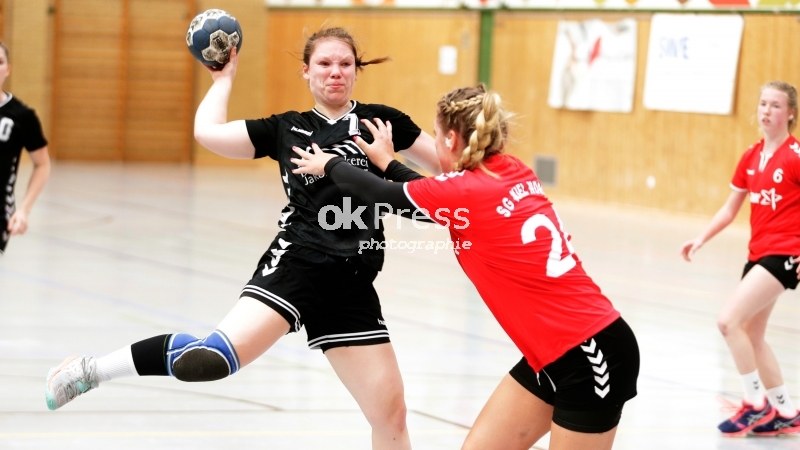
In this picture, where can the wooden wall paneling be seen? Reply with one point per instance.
(608, 156)
(159, 108)
(122, 76)
(411, 82)
(3, 18)
(88, 58)
(26, 25)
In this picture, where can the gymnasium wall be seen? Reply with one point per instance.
(608, 156)
(26, 27)
(125, 88)
(600, 156)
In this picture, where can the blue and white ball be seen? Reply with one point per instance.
(211, 36)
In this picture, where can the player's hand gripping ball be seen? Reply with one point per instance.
(211, 36)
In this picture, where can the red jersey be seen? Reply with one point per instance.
(774, 186)
(513, 247)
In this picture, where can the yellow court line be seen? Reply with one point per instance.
(664, 430)
(173, 434)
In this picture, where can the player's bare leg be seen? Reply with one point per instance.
(757, 291)
(252, 328)
(513, 418)
(248, 330)
(372, 376)
(768, 369)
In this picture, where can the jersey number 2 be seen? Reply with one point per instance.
(556, 266)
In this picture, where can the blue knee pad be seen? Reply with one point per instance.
(193, 359)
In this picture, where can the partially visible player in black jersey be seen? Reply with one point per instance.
(312, 275)
(19, 127)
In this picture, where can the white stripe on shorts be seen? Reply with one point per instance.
(269, 296)
(360, 336)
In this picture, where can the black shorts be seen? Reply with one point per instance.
(589, 384)
(331, 296)
(782, 267)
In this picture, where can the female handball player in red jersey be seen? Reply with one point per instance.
(581, 360)
(769, 175)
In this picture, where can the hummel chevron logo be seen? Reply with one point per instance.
(795, 148)
(285, 178)
(274, 261)
(788, 263)
(781, 400)
(600, 370)
(285, 217)
(597, 359)
(599, 367)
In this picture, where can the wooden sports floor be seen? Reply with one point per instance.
(117, 253)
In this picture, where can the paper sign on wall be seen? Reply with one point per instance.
(594, 66)
(691, 62)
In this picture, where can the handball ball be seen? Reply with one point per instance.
(211, 36)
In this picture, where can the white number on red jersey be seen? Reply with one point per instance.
(556, 266)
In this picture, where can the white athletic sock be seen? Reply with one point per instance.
(752, 390)
(780, 400)
(117, 364)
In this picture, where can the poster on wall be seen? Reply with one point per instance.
(691, 62)
(594, 66)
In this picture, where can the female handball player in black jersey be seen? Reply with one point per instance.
(312, 275)
(768, 175)
(19, 127)
(580, 359)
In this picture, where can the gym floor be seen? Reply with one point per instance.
(117, 253)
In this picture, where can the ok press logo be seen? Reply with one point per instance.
(346, 217)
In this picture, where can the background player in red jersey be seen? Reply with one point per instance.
(313, 275)
(581, 360)
(769, 175)
(19, 127)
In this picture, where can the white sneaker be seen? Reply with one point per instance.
(76, 375)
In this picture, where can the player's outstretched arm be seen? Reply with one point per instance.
(721, 219)
(211, 127)
(423, 153)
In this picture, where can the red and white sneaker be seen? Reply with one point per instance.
(779, 425)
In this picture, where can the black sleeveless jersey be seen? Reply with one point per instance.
(19, 127)
(317, 215)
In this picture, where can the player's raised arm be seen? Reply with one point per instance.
(211, 127)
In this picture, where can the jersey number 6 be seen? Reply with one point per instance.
(555, 265)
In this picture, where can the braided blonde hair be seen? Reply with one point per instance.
(476, 115)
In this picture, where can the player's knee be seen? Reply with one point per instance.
(192, 359)
(392, 414)
(726, 325)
